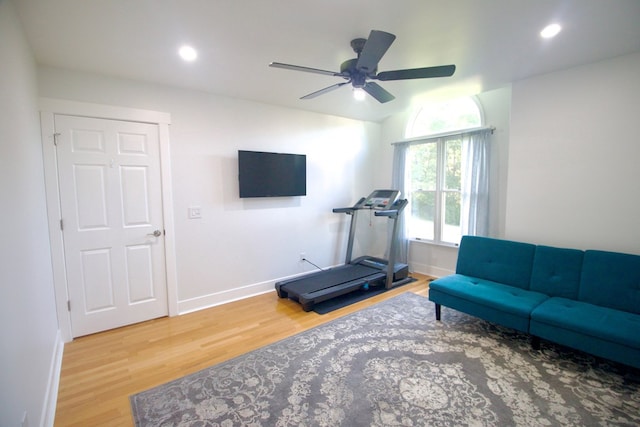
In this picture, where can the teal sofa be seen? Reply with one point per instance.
(587, 300)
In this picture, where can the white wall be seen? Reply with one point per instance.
(31, 347)
(243, 244)
(440, 260)
(574, 176)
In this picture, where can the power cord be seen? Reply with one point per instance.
(306, 260)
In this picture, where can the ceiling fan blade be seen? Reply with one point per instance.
(374, 49)
(325, 90)
(417, 73)
(375, 90)
(305, 69)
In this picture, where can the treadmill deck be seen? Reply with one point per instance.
(323, 285)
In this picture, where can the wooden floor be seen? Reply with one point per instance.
(101, 371)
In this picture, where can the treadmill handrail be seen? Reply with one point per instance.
(400, 205)
(350, 210)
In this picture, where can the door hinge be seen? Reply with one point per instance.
(55, 138)
(61, 225)
(68, 305)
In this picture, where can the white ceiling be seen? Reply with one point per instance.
(492, 43)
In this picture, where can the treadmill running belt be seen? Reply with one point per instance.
(328, 278)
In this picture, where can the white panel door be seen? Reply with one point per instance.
(111, 204)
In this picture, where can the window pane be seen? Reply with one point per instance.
(453, 162)
(451, 232)
(423, 208)
(423, 166)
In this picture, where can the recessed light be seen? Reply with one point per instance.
(550, 31)
(188, 53)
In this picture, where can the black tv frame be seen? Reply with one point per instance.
(269, 174)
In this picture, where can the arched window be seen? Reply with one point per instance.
(444, 172)
(444, 116)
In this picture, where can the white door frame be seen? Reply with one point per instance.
(48, 108)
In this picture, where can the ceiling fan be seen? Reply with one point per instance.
(361, 70)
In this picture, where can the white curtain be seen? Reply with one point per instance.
(401, 243)
(475, 183)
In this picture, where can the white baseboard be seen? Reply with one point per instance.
(51, 397)
(230, 295)
(430, 270)
(223, 297)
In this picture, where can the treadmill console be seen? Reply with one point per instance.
(381, 199)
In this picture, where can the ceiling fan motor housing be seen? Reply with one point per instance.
(349, 71)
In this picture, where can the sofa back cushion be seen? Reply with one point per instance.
(556, 271)
(611, 279)
(497, 260)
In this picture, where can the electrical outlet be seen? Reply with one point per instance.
(303, 256)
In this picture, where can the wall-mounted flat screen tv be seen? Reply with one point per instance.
(263, 174)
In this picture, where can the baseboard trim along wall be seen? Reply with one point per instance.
(223, 297)
(51, 397)
(429, 270)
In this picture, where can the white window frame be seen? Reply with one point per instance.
(440, 192)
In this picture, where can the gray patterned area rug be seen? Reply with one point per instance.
(392, 364)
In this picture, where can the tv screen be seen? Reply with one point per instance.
(264, 174)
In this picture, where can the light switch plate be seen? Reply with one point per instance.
(195, 212)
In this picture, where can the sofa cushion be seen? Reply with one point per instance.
(505, 298)
(611, 279)
(501, 261)
(556, 271)
(595, 321)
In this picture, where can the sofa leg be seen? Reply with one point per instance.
(535, 342)
(438, 311)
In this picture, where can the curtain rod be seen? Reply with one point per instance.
(445, 134)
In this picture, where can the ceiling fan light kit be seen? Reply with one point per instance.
(361, 70)
(359, 94)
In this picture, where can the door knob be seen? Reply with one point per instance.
(156, 233)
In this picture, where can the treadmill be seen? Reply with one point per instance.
(361, 273)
